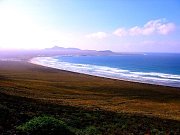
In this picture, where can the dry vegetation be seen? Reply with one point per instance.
(32, 83)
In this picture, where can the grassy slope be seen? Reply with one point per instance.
(72, 90)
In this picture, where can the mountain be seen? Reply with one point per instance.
(48, 52)
(57, 48)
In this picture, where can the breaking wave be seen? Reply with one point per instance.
(108, 72)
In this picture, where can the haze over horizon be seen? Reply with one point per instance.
(120, 26)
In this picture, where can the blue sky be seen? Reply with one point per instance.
(118, 25)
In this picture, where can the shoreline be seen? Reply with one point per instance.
(24, 79)
(51, 65)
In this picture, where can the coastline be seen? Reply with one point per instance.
(28, 90)
(53, 63)
(89, 91)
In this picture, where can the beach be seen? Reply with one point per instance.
(152, 68)
(89, 67)
(58, 87)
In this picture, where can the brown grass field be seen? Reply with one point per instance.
(27, 83)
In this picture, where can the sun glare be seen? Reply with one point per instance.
(19, 31)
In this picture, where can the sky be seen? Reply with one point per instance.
(117, 25)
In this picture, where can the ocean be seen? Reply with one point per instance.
(152, 68)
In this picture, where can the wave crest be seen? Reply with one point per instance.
(108, 72)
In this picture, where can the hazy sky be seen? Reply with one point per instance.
(118, 25)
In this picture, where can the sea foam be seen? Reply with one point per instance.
(109, 72)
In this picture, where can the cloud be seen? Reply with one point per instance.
(165, 29)
(120, 32)
(159, 26)
(97, 35)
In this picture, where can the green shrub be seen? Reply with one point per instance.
(91, 130)
(45, 125)
(157, 132)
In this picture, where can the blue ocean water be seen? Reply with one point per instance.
(153, 68)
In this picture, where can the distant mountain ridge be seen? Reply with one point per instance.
(53, 51)
(77, 50)
(62, 48)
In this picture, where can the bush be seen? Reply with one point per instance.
(91, 130)
(45, 125)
